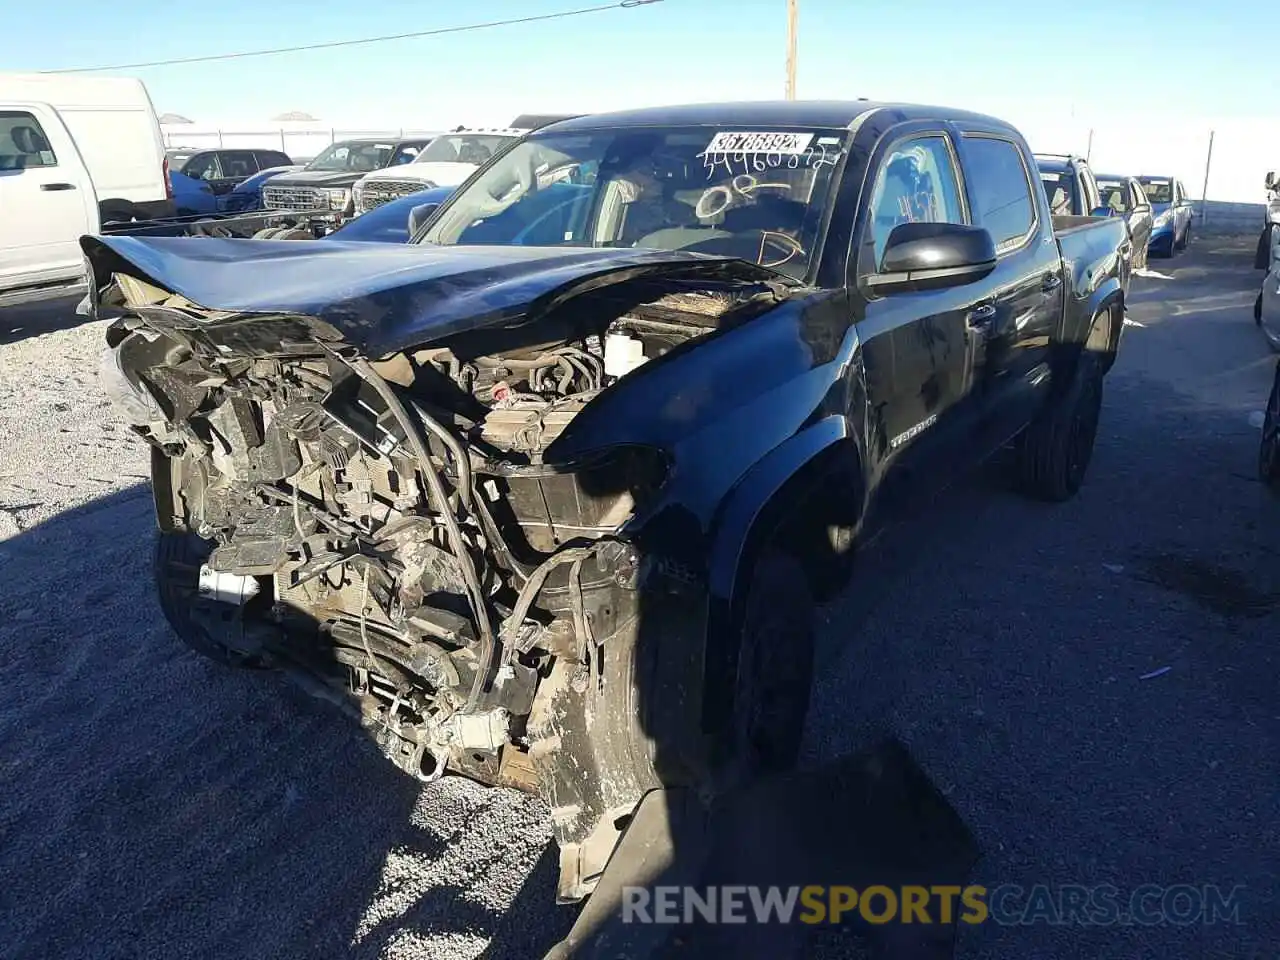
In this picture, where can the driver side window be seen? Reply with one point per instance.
(917, 183)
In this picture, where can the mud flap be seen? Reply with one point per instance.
(665, 842)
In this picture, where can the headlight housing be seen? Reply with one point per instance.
(1273, 211)
(1162, 219)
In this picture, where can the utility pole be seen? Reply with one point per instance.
(1204, 194)
(792, 15)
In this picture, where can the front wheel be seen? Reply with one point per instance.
(775, 670)
(211, 628)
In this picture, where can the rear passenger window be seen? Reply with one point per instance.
(917, 184)
(23, 144)
(999, 190)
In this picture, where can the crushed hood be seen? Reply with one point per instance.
(385, 297)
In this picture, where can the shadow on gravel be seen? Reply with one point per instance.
(157, 805)
(19, 323)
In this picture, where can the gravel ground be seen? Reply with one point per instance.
(159, 806)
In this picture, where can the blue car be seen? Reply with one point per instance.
(192, 197)
(544, 219)
(388, 223)
(1171, 212)
(246, 196)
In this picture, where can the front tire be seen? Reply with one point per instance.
(1053, 453)
(177, 561)
(775, 670)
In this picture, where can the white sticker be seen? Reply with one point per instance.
(787, 144)
(46, 157)
(828, 140)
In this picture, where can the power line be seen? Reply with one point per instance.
(622, 5)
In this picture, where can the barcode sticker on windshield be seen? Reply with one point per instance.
(777, 143)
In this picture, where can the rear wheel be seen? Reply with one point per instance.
(118, 213)
(1053, 453)
(1269, 447)
(775, 670)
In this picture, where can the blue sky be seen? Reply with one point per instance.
(1175, 56)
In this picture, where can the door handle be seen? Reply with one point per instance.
(1051, 283)
(979, 318)
(57, 186)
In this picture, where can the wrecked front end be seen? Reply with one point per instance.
(395, 528)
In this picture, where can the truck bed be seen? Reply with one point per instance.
(1069, 223)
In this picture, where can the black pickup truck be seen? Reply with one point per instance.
(548, 495)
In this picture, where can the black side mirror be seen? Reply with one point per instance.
(1272, 180)
(420, 215)
(930, 256)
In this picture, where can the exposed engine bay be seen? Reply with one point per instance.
(392, 528)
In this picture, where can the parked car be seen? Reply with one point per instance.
(47, 202)
(1272, 183)
(116, 133)
(1070, 185)
(247, 194)
(1125, 197)
(1269, 444)
(446, 162)
(224, 169)
(1172, 214)
(1073, 191)
(326, 182)
(533, 121)
(389, 223)
(555, 515)
(1266, 308)
(192, 197)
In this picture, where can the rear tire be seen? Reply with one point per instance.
(775, 670)
(1053, 453)
(118, 213)
(177, 561)
(1269, 446)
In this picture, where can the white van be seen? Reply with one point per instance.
(115, 126)
(47, 203)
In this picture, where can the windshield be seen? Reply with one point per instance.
(352, 155)
(463, 148)
(1158, 191)
(758, 196)
(1060, 188)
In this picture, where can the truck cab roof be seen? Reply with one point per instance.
(764, 113)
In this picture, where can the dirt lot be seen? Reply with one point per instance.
(160, 806)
